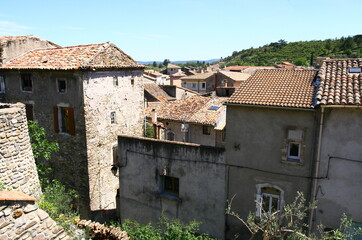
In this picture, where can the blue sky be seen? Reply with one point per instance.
(180, 29)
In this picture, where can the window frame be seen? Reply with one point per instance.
(58, 120)
(193, 85)
(168, 134)
(206, 130)
(26, 78)
(174, 182)
(260, 188)
(293, 157)
(203, 85)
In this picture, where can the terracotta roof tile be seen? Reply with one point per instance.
(94, 56)
(157, 92)
(281, 88)
(194, 109)
(338, 86)
(199, 76)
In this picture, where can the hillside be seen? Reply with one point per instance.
(301, 53)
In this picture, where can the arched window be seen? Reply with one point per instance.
(269, 199)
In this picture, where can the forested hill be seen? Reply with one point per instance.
(301, 53)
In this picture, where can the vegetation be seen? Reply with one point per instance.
(299, 53)
(56, 199)
(290, 223)
(165, 230)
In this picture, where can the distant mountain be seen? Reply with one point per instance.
(178, 62)
(300, 53)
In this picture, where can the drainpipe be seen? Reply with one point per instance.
(316, 172)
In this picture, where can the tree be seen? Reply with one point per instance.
(42, 147)
(289, 223)
(166, 62)
(154, 64)
(301, 62)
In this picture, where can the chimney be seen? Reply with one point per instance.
(154, 116)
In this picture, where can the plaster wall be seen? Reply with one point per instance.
(341, 164)
(255, 142)
(195, 133)
(101, 98)
(201, 197)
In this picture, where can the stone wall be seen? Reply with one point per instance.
(17, 164)
(111, 92)
(197, 173)
(20, 218)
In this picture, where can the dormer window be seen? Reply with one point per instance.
(355, 70)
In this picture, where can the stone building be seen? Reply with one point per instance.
(11, 47)
(84, 96)
(17, 165)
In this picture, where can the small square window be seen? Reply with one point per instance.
(26, 83)
(115, 81)
(62, 85)
(294, 150)
(206, 130)
(193, 85)
(170, 185)
(113, 117)
(203, 85)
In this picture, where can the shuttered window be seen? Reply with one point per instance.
(64, 120)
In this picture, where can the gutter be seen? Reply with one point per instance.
(270, 107)
(316, 172)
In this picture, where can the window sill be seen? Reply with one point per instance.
(292, 162)
(170, 196)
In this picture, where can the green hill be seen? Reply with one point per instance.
(301, 53)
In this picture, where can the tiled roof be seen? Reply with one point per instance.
(281, 88)
(199, 76)
(236, 68)
(194, 109)
(156, 91)
(171, 65)
(337, 85)
(236, 76)
(12, 38)
(94, 56)
(178, 74)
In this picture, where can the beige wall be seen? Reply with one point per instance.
(101, 98)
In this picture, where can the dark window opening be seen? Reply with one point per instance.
(29, 112)
(26, 83)
(62, 85)
(170, 185)
(294, 150)
(113, 117)
(115, 81)
(64, 120)
(206, 130)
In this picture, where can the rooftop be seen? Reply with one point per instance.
(171, 65)
(157, 92)
(93, 56)
(277, 87)
(340, 82)
(236, 76)
(199, 76)
(195, 109)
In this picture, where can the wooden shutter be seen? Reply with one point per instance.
(56, 124)
(71, 121)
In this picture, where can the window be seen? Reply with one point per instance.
(170, 185)
(115, 81)
(29, 109)
(206, 130)
(193, 85)
(269, 199)
(113, 117)
(170, 136)
(26, 83)
(203, 85)
(2, 84)
(61, 85)
(292, 151)
(184, 83)
(132, 81)
(64, 120)
(355, 70)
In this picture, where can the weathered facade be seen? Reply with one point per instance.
(201, 83)
(270, 140)
(174, 180)
(83, 96)
(17, 164)
(11, 47)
